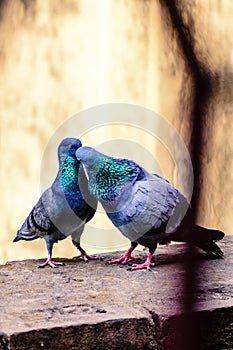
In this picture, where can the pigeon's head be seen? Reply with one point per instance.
(86, 154)
(67, 147)
(90, 159)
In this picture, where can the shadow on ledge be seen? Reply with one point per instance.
(94, 306)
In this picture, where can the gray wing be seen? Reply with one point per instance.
(37, 224)
(146, 205)
(38, 220)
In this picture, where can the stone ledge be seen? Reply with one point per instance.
(94, 306)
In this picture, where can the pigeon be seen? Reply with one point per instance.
(62, 210)
(145, 207)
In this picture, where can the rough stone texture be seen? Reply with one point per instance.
(94, 306)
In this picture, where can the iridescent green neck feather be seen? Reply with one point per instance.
(68, 175)
(110, 177)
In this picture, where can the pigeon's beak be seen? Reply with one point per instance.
(85, 171)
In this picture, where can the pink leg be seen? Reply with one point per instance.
(51, 263)
(124, 258)
(146, 265)
(83, 254)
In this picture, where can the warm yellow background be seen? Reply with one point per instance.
(60, 57)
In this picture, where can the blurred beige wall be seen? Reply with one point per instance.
(58, 58)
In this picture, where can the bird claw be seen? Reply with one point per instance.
(123, 260)
(87, 257)
(51, 263)
(216, 255)
(145, 265)
(76, 257)
(93, 257)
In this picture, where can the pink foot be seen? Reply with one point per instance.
(127, 256)
(51, 263)
(122, 260)
(142, 266)
(146, 265)
(87, 257)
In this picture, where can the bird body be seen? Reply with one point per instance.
(61, 210)
(145, 207)
(137, 213)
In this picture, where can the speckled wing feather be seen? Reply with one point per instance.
(38, 220)
(36, 225)
(147, 204)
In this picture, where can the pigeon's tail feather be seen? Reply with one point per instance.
(204, 238)
(211, 248)
(16, 239)
(204, 234)
(26, 235)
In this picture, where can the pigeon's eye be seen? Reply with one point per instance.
(70, 145)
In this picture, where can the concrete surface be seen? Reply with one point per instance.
(99, 306)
